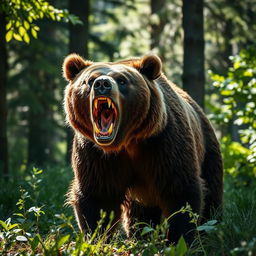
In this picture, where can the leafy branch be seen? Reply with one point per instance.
(21, 16)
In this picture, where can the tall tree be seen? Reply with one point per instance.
(157, 8)
(17, 21)
(193, 58)
(3, 105)
(42, 86)
(78, 43)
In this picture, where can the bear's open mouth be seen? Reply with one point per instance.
(104, 112)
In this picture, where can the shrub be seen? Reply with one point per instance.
(238, 96)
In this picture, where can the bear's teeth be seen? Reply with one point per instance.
(109, 102)
(96, 128)
(96, 104)
(110, 130)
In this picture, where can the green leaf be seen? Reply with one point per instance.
(17, 24)
(205, 228)
(19, 214)
(3, 224)
(36, 28)
(8, 26)
(36, 170)
(146, 230)
(26, 38)
(208, 226)
(22, 30)
(8, 36)
(181, 247)
(26, 25)
(62, 241)
(237, 64)
(52, 16)
(211, 222)
(17, 37)
(248, 72)
(41, 14)
(12, 226)
(30, 19)
(34, 33)
(227, 93)
(169, 251)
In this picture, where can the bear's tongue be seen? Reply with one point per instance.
(106, 118)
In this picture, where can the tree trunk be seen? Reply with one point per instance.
(37, 138)
(3, 103)
(193, 58)
(228, 49)
(78, 43)
(157, 29)
(41, 129)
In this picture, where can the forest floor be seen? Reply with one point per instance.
(34, 221)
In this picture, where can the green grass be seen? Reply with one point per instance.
(40, 225)
(236, 235)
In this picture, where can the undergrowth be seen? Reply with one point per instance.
(40, 225)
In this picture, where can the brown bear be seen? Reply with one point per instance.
(142, 147)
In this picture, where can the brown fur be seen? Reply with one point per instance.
(165, 153)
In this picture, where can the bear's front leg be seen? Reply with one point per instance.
(180, 223)
(87, 210)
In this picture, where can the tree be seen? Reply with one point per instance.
(16, 20)
(3, 106)
(41, 99)
(193, 58)
(78, 43)
(157, 8)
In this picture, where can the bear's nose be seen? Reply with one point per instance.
(102, 86)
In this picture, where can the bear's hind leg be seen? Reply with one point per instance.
(212, 174)
(180, 222)
(143, 215)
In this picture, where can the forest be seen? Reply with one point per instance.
(207, 47)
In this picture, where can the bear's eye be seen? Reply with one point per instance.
(90, 81)
(121, 81)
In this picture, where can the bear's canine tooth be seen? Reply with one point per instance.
(110, 130)
(96, 103)
(109, 102)
(113, 106)
(96, 128)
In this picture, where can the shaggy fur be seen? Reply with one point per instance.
(165, 153)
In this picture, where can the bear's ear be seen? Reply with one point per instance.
(151, 66)
(72, 65)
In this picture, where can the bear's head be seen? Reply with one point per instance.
(114, 104)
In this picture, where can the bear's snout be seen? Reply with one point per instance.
(102, 86)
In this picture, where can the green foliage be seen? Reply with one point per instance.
(228, 25)
(36, 229)
(21, 16)
(238, 88)
(238, 91)
(236, 162)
